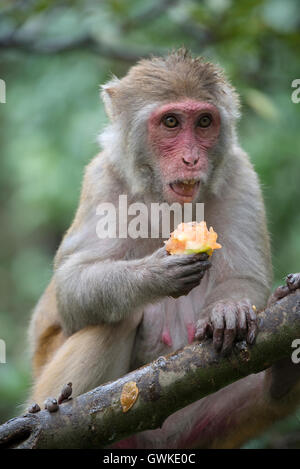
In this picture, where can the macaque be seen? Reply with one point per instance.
(115, 304)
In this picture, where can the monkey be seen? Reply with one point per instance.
(117, 303)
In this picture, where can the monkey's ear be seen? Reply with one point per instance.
(108, 94)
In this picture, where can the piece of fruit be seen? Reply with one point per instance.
(192, 238)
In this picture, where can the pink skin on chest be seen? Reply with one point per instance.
(169, 325)
(183, 151)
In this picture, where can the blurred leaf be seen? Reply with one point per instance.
(261, 104)
(282, 16)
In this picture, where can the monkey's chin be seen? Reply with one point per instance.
(182, 193)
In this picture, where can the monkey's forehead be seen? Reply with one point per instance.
(188, 106)
(164, 84)
(185, 68)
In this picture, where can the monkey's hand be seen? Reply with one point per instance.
(228, 322)
(178, 274)
(292, 283)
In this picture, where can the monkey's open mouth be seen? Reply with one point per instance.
(186, 188)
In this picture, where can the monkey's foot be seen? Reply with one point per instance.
(33, 408)
(292, 283)
(227, 323)
(65, 393)
(51, 404)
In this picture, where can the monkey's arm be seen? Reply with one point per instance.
(241, 272)
(230, 308)
(229, 313)
(92, 291)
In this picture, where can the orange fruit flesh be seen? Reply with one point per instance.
(192, 238)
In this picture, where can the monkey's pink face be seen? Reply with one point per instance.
(181, 134)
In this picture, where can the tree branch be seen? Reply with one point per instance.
(96, 419)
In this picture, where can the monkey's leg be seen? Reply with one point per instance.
(87, 359)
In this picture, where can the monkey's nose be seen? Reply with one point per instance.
(190, 161)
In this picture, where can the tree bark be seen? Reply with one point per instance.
(96, 419)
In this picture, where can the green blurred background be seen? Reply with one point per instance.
(53, 56)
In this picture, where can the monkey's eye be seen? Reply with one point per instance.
(205, 121)
(170, 121)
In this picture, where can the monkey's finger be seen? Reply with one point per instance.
(191, 282)
(162, 252)
(217, 320)
(65, 393)
(186, 259)
(241, 322)
(252, 325)
(279, 292)
(194, 279)
(209, 330)
(183, 292)
(230, 314)
(197, 268)
(203, 265)
(175, 295)
(293, 281)
(201, 329)
(185, 285)
(202, 256)
(34, 408)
